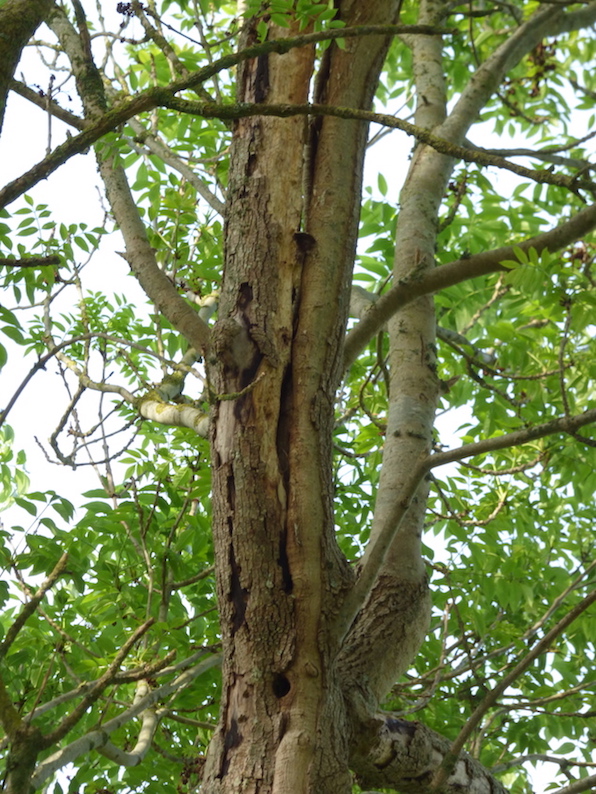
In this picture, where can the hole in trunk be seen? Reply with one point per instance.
(281, 686)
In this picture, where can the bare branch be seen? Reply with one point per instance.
(47, 104)
(544, 757)
(30, 261)
(124, 393)
(564, 424)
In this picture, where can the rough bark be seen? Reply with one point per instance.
(19, 19)
(282, 318)
(252, 347)
(404, 755)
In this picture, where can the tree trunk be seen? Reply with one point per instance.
(292, 221)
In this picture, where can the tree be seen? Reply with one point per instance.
(231, 146)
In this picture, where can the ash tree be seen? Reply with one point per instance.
(278, 584)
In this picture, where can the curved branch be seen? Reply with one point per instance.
(375, 553)
(99, 738)
(546, 21)
(149, 722)
(175, 415)
(413, 286)
(165, 97)
(124, 393)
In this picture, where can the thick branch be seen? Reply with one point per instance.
(175, 415)
(447, 275)
(376, 552)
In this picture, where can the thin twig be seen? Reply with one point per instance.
(490, 699)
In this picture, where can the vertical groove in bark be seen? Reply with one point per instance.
(347, 78)
(252, 342)
(282, 319)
